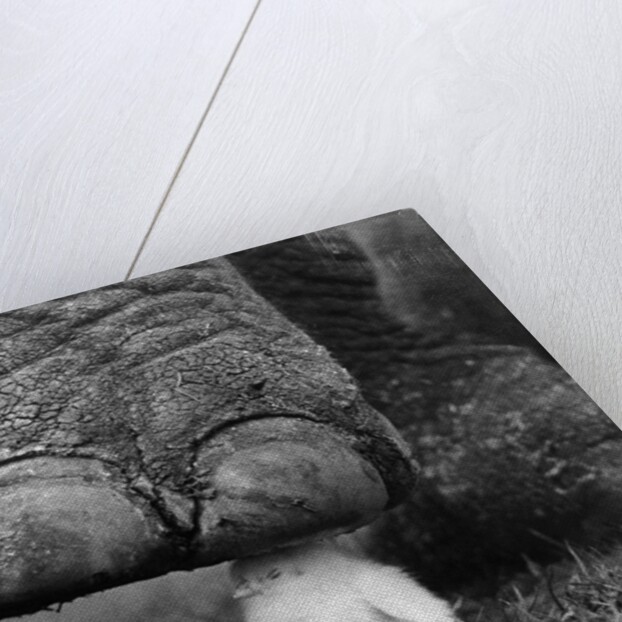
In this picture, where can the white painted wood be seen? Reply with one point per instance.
(98, 102)
(500, 121)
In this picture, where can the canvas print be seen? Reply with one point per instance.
(346, 426)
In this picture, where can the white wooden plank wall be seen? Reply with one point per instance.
(500, 121)
(98, 102)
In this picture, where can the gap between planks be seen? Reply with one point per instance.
(193, 138)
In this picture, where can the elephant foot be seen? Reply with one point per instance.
(74, 525)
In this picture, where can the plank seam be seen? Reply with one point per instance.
(186, 153)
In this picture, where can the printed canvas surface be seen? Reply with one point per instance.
(343, 426)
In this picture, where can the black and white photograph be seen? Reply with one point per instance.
(310, 311)
(345, 425)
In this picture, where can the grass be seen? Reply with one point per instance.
(585, 587)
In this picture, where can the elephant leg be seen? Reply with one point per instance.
(514, 455)
(172, 422)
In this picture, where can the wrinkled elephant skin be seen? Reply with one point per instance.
(515, 458)
(173, 422)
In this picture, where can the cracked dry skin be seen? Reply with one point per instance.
(169, 422)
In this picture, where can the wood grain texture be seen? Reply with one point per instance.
(98, 102)
(499, 121)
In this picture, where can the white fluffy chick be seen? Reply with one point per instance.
(326, 582)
